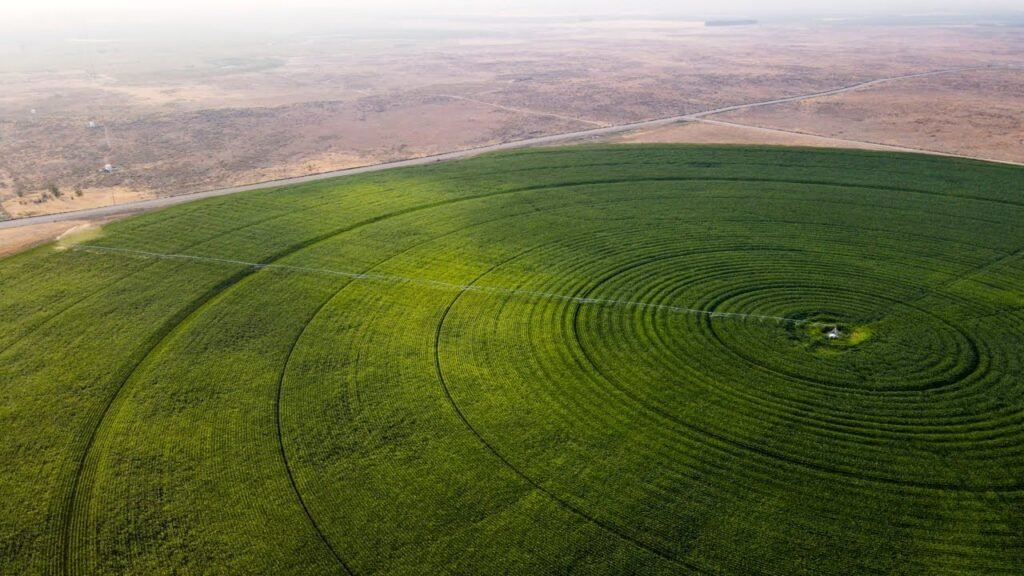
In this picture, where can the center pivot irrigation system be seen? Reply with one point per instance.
(439, 285)
(598, 359)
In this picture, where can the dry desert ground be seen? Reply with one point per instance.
(175, 118)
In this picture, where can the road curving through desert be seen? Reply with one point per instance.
(155, 203)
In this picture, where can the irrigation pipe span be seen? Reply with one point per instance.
(450, 286)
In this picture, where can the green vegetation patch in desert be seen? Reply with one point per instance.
(594, 360)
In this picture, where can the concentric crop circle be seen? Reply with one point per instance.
(685, 346)
(657, 360)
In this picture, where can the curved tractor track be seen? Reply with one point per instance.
(661, 359)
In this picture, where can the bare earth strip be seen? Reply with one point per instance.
(965, 115)
(17, 239)
(714, 132)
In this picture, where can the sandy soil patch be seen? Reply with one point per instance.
(81, 233)
(16, 239)
(41, 202)
(971, 114)
(716, 133)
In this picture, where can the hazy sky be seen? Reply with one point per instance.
(50, 13)
(63, 8)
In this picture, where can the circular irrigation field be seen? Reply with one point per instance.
(651, 360)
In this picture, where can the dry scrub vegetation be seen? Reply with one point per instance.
(209, 115)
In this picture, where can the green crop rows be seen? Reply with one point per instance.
(598, 360)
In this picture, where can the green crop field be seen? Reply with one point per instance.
(596, 360)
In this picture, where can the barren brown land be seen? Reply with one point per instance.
(177, 120)
(16, 239)
(975, 113)
(713, 132)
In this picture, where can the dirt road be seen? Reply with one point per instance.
(145, 205)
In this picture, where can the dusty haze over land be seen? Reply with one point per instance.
(56, 11)
(250, 92)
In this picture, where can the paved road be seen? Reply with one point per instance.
(145, 205)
